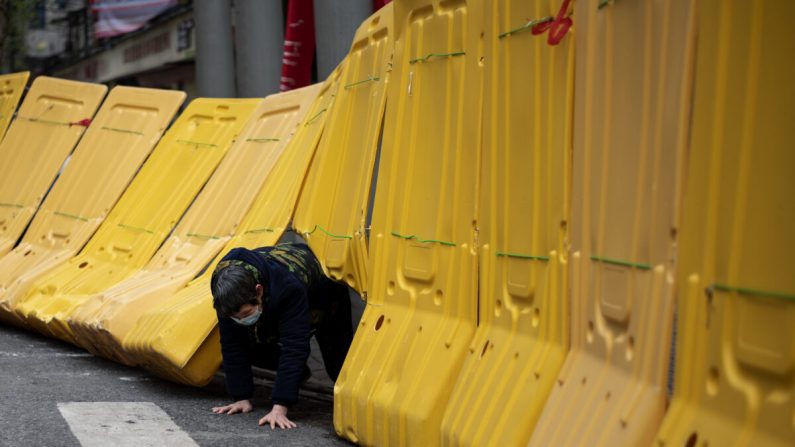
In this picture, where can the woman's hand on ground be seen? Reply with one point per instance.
(241, 406)
(277, 418)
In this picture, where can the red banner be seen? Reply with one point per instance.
(378, 4)
(299, 45)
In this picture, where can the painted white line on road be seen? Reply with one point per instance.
(134, 424)
(44, 354)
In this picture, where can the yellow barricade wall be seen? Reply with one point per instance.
(12, 86)
(631, 123)
(332, 210)
(126, 128)
(101, 322)
(144, 216)
(735, 356)
(523, 333)
(38, 141)
(422, 306)
(177, 338)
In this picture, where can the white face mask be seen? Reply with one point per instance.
(249, 320)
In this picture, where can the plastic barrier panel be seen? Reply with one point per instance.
(144, 216)
(12, 86)
(177, 339)
(332, 210)
(422, 307)
(49, 123)
(630, 136)
(523, 334)
(735, 355)
(126, 128)
(101, 322)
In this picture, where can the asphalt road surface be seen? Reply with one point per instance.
(54, 394)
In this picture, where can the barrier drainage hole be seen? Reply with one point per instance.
(82, 265)
(485, 347)
(712, 381)
(692, 440)
(379, 322)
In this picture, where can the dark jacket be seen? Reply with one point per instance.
(290, 276)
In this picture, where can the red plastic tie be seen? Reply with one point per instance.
(558, 27)
(85, 122)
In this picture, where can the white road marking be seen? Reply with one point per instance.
(134, 424)
(44, 354)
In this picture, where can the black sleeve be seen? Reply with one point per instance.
(236, 359)
(294, 334)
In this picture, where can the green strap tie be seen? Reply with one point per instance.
(423, 241)
(526, 26)
(70, 216)
(432, 55)
(262, 140)
(754, 292)
(113, 129)
(363, 81)
(196, 143)
(11, 205)
(130, 227)
(43, 121)
(603, 3)
(521, 256)
(202, 236)
(259, 230)
(318, 227)
(636, 265)
(317, 115)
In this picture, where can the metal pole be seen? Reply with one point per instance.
(215, 60)
(259, 43)
(335, 24)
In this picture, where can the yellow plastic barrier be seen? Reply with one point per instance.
(422, 307)
(47, 127)
(101, 322)
(735, 354)
(126, 128)
(632, 115)
(332, 210)
(630, 137)
(143, 217)
(523, 332)
(177, 339)
(11, 88)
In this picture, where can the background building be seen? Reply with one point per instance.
(221, 48)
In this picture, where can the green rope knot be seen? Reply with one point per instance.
(318, 227)
(522, 256)
(363, 81)
(422, 241)
(259, 230)
(262, 140)
(202, 236)
(636, 265)
(130, 227)
(196, 143)
(751, 292)
(113, 129)
(317, 115)
(432, 55)
(70, 216)
(526, 26)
